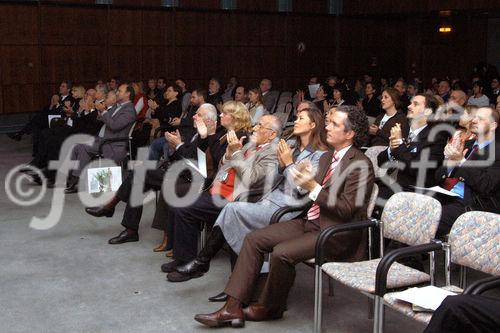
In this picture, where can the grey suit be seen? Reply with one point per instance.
(270, 99)
(237, 219)
(117, 123)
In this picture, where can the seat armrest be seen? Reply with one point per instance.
(329, 232)
(386, 262)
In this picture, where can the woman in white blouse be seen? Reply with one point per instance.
(255, 105)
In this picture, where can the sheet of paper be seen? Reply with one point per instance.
(202, 163)
(437, 189)
(53, 116)
(429, 297)
(313, 88)
(106, 179)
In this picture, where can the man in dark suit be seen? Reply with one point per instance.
(118, 121)
(207, 114)
(472, 172)
(404, 153)
(340, 193)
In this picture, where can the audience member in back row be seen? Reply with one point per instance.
(239, 218)
(405, 152)
(380, 130)
(184, 124)
(371, 103)
(404, 100)
(341, 174)
(185, 96)
(270, 98)
(118, 122)
(41, 119)
(471, 170)
(478, 98)
(171, 109)
(214, 92)
(255, 105)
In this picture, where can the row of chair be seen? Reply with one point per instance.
(411, 219)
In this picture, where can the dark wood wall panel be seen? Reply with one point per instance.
(19, 25)
(44, 43)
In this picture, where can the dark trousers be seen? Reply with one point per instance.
(290, 243)
(466, 314)
(187, 222)
(132, 215)
(452, 208)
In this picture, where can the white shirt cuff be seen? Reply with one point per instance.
(313, 195)
(179, 145)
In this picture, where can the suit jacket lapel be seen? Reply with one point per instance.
(323, 165)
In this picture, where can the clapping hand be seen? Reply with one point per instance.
(395, 137)
(152, 104)
(176, 121)
(373, 129)
(302, 175)
(453, 154)
(174, 138)
(285, 157)
(233, 143)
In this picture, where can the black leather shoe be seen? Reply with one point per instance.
(71, 189)
(36, 179)
(220, 297)
(194, 267)
(124, 237)
(171, 266)
(179, 277)
(100, 211)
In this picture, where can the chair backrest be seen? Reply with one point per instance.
(373, 199)
(475, 241)
(283, 112)
(411, 218)
(372, 154)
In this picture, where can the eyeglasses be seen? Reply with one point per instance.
(259, 125)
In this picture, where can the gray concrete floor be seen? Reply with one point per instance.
(68, 279)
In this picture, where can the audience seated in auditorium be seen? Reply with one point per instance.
(167, 111)
(239, 218)
(294, 241)
(494, 90)
(471, 170)
(243, 167)
(380, 130)
(151, 91)
(118, 122)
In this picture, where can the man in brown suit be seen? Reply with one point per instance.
(340, 193)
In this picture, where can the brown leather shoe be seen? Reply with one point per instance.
(258, 312)
(230, 314)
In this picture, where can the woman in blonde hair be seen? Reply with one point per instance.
(234, 117)
(77, 92)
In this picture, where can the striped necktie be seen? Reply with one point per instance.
(314, 211)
